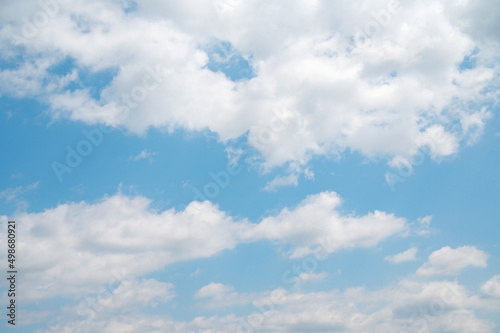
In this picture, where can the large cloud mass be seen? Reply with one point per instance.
(70, 249)
(384, 78)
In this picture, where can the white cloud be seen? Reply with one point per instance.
(70, 249)
(408, 255)
(107, 310)
(131, 295)
(308, 276)
(424, 225)
(13, 193)
(492, 287)
(214, 290)
(195, 273)
(217, 295)
(317, 220)
(74, 247)
(309, 174)
(35, 316)
(409, 306)
(399, 90)
(449, 261)
(279, 181)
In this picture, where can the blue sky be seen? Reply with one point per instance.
(221, 166)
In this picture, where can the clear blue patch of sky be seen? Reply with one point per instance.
(469, 61)
(223, 57)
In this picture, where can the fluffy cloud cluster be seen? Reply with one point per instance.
(492, 287)
(125, 300)
(408, 255)
(75, 246)
(74, 249)
(317, 219)
(410, 306)
(70, 249)
(384, 78)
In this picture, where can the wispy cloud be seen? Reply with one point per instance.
(195, 273)
(13, 193)
(145, 154)
(309, 276)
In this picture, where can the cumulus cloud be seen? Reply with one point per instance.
(74, 247)
(107, 310)
(410, 306)
(449, 261)
(144, 154)
(139, 294)
(317, 220)
(218, 295)
(408, 255)
(124, 234)
(279, 181)
(492, 287)
(382, 78)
